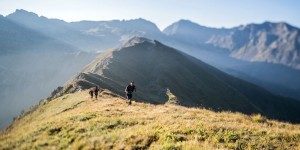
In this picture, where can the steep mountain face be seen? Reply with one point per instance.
(277, 43)
(159, 70)
(31, 66)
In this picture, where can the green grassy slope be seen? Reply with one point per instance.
(75, 121)
(157, 68)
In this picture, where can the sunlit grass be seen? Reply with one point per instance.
(75, 121)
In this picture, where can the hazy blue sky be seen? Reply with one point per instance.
(214, 13)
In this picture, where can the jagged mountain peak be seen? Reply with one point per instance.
(269, 42)
(23, 13)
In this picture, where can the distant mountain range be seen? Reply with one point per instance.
(266, 54)
(32, 64)
(34, 48)
(16, 36)
(277, 43)
(87, 35)
(160, 71)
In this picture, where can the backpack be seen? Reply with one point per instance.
(130, 88)
(95, 89)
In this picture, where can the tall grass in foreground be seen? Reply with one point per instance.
(75, 121)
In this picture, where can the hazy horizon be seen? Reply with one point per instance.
(208, 13)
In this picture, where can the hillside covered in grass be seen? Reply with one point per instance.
(157, 69)
(75, 121)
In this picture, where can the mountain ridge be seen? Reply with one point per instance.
(156, 68)
(91, 36)
(76, 121)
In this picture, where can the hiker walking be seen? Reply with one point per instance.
(96, 91)
(129, 90)
(91, 92)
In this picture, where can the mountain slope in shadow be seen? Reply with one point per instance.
(158, 69)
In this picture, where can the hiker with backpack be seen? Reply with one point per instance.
(129, 90)
(91, 92)
(96, 91)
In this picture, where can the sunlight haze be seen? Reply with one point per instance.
(216, 13)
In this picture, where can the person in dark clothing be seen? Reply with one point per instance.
(91, 92)
(129, 90)
(96, 91)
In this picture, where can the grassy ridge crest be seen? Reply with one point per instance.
(75, 121)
